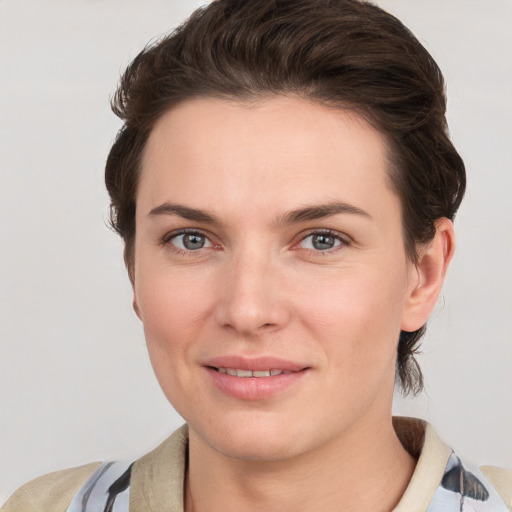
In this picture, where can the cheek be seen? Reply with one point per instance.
(174, 311)
(357, 316)
(173, 308)
(358, 325)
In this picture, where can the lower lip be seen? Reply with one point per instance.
(254, 388)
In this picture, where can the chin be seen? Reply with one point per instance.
(254, 438)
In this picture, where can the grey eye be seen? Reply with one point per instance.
(190, 241)
(320, 242)
(323, 242)
(193, 241)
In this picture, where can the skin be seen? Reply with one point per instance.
(261, 286)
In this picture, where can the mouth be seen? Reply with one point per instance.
(255, 378)
(239, 372)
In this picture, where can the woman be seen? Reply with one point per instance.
(285, 189)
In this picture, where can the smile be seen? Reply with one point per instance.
(237, 372)
(258, 379)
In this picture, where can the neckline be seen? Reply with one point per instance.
(158, 484)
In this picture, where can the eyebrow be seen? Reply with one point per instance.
(292, 217)
(185, 212)
(320, 211)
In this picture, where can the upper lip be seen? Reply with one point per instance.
(255, 363)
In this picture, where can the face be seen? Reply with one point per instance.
(270, 273)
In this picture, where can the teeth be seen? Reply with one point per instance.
(236, 372)
(262, 373)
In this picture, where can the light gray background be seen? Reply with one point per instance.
(76, 384)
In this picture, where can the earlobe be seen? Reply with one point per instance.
(433, 262)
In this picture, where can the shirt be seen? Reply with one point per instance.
(441, 481)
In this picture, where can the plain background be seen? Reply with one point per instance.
(76, 384)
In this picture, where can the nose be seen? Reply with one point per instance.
(253, 297)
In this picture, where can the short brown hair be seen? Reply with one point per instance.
(342, 53)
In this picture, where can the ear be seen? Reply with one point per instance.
(136, 306)
(428, 276)
(135, 303)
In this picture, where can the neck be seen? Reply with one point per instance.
(365, 469)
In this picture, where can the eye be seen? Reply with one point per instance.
(189, 241)
(321, 241)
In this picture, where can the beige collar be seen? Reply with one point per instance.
(420, 440)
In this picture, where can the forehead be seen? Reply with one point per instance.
(278, 151)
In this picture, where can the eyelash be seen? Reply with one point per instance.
(344, 242)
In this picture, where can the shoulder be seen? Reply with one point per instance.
(442, 481)
(155, 482)
(51, 492)
(501, 479)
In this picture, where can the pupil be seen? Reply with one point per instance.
(323, 242)
(193, 242)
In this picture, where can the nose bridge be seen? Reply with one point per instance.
(251, 298)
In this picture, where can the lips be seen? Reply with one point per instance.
(254, 378)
